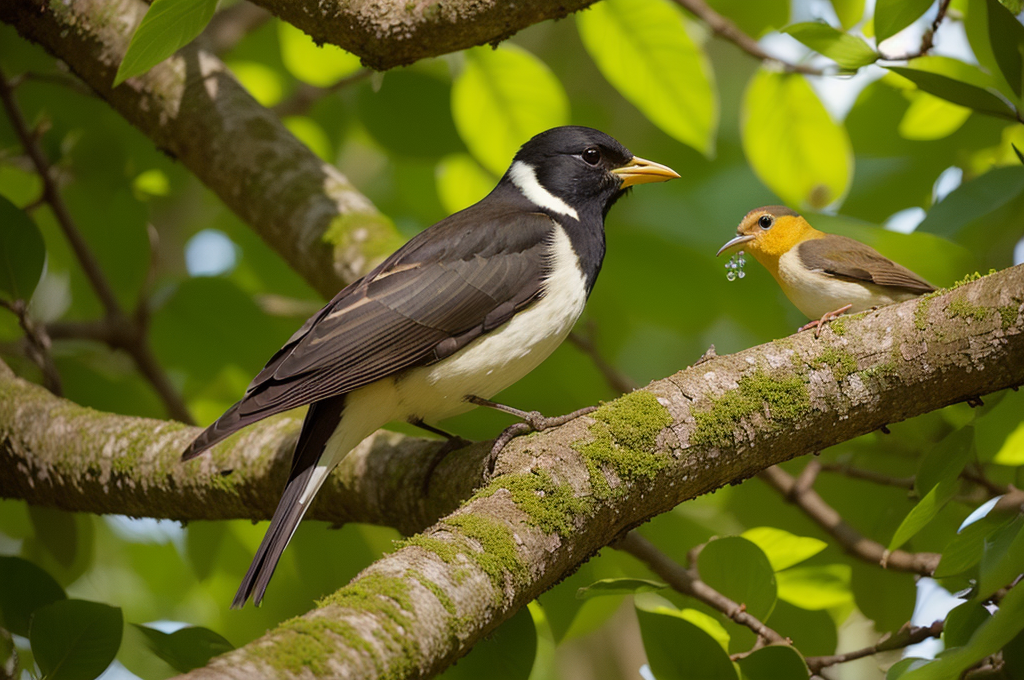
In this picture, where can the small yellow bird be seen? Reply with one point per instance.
(824, 275)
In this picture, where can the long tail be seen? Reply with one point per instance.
(303, 483)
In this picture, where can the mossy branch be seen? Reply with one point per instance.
(560, 496)
(192, 108)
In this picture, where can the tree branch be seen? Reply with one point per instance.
(191, 107)
(560, 495)
(904, 637)
(851, 540)
(688, 582)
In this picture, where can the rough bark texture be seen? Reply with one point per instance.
(193, 108)
(389, 33)
(563, 494)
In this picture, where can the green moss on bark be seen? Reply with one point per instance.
(786, 398)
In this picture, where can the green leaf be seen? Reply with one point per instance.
(962, 621)
(1002, 558)
(973, 200)
(411, 115)
(678, 649)
(57, 531)
(1007, 38)
(1015, 6)
(929, 117)
(26, 589)
(892, 16)
(167, 26)
(643, 49)
(754, 18)
(618, 586)
(924, 512)
(792, 143)
(782, 548)
(1012, 451)
(812, 632)
(989, 638)
(319, 65)
(772, 663)
(461, 182)
(22, 253)
(945, 460)
(507, 653)
(185, 649)
(75, 639)
(847, 50)
(957, 82)
(886, 597)
(741, 571)
(903, 666)
(964, 550)
(849, 12)
(817, 587)
(503, 98)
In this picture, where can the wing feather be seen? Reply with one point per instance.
(851, 260)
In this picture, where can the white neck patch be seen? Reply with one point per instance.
(525, 179)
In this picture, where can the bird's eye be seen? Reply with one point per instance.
(766, 221)
(592, 155)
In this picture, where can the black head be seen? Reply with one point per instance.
(579, 168)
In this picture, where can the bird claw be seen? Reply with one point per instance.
(827, 317)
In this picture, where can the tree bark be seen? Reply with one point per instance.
(193, 108)
(559, 496)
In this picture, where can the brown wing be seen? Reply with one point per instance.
(461, 278)
(851, 260)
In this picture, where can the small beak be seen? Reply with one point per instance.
(640, 171)
(738, 241)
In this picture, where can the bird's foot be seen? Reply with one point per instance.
(818, 324)
(533, 421)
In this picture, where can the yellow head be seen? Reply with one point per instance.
(768, 233)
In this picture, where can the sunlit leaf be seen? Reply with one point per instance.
(678, 649)
(27, 587)
(642, 48)
(503, 98)
(773, 663)
(75, 639)
(316, 65)
(957, 82)
(167, 26)
(22, 253)
(782, 548)
(461, 182)
(186, 649)
(151, 183)
(262, 82)
(1012, 450)
(849, 12)
(930, 117)
(849, 51)
(892, 16)
(739, 570)
(1007, 38)
(618, 586)
(792, 143)
(817, 587)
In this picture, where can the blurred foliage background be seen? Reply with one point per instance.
(922, 167)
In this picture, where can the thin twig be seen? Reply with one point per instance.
(808, 500)
(38, 345)
(122, 332)
(307, 95)
(687, 582)
(904, 637)
(927, 39)
(727, 29)
(616, 379)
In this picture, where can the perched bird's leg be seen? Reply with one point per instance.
(534, 421)
(454, 443)
(825, 318)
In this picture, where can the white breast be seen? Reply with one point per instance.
(494, 361)
(816, 294)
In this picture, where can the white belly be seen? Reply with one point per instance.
(816, 294)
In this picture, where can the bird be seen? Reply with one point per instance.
(460, 312)
(823, 275)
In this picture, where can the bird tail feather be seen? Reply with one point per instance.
(303, 483)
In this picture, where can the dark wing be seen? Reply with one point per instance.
(461, 278)
(851, 260)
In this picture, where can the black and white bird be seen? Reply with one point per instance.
(463, 310)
